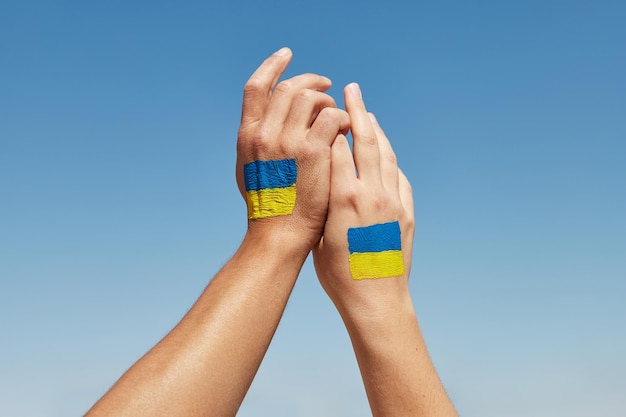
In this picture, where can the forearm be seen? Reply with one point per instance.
(399, 376)
(204, 366)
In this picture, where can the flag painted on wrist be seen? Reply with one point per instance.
(375, 251)
(270, 187)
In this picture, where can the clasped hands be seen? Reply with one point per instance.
(337, 188)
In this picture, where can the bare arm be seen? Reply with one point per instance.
(363, 263)
(206, 364)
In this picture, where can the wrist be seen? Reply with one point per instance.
(278, 241)
(378, 315)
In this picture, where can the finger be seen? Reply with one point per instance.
(329, 123)
(365, 144)
(305, 107)
(258, 88)
(388, 160)
(283, 96)
(342, 170)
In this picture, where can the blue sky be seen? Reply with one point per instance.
(118, 123)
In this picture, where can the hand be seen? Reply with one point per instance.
(293, 126)
(363, 262)
(380, 194)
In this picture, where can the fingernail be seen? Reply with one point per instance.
(372, 117)
(355, 90)
(282, 52)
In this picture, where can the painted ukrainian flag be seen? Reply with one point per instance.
(270, 187)
(375, 251)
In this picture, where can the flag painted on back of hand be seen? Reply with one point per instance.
(375, 251)
(270, 187)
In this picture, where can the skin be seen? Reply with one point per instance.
(206, 364)
(398, 374)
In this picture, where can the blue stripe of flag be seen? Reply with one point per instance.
(259, 175)
(375, 238)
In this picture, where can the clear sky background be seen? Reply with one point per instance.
(118, 202)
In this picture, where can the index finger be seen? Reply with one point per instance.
(258, 88)
(365, 142)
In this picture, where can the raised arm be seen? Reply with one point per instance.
(363, 263)
(206, 364)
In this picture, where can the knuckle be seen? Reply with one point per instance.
(328, 101)
(326, 115)
(350, 197)
(260, 141)
(380, 201)
(253, 86)
(259, 145)
(333, 118)
(325, 118)
(333, 115)
(368, 139)
(284, 87)
(305, 95)
(391, 157)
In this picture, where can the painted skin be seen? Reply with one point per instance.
(270, 187)
(376, 251)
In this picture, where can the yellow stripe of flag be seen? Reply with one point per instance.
(269, 202)
(367, 265)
